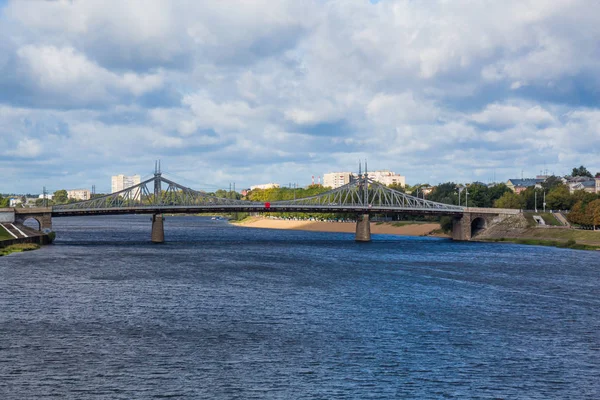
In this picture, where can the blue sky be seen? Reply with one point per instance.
(262, 91)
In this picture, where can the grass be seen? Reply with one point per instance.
(581, 236)
(18, 248)
(4, 235)
(405, 223)
(569, 244)
(550, 219)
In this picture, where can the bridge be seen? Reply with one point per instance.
(362, 197)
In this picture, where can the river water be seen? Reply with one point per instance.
(223, 312)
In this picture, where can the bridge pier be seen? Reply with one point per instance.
(158, 229)
(42, 215)
(461, 227)
(363, 228)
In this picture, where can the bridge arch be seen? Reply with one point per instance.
(477, 225)
(33, 223)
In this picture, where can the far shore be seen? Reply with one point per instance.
(404, 228)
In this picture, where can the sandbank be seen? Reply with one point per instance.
(415, 229)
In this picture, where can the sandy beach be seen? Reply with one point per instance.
(416, 229)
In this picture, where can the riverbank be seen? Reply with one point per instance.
(404, 228)
(29, 239)
(517, 229)
(18, 248)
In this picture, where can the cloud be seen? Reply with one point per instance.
(26, 148)
(267, 91)
(506, 115)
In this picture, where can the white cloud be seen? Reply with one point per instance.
(506, 115)
(432, 89)
(67, 73)
(27, 148)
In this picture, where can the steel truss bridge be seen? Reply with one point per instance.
(362, 197)
(161, 195)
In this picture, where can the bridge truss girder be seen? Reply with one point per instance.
(361, 196)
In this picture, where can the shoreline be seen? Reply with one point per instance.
(400, 228)
(18, 248)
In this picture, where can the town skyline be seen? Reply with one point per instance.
(279, 92)
(314, 179)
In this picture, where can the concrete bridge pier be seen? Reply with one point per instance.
(363, 228)
(158, 229)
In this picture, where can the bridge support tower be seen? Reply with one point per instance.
(363, 228)
(158, 229)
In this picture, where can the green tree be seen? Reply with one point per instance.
(577, 214)
(60, 197)
(551, 182)
(445, 193)
(583, 196)
(397, 187)
(559, 198)
(593, 213)
(479, 195)
(497, 191)
(581, 171)
(40, 202)
(446, 223)
(4, 202)
(528, 198)
(510, 200)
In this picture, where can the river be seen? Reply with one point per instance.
(225, 312)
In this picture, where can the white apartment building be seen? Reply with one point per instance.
(387, 177)
(336, 179)
(265, 186)
(122, 182)
(78, 194)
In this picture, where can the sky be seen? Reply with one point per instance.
(278, 91)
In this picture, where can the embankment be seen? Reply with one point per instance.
(518, 229)
(388, 228)
(33, 240)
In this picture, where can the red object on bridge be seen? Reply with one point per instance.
(267, 205)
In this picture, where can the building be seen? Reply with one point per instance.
(598, 184)
(79, 194)
(336, 179)
(584, 183)
(14, 202)
(387, 177)
(519, 185)
(265, 186)
(586, 186)
(122, 182)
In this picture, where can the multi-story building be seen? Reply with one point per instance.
(265, 186)
(336, 179)
(122, 182)
(387, 177)
(519, 185)
(78, 194)
(597, 184)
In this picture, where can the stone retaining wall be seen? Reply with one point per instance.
(42, 239)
